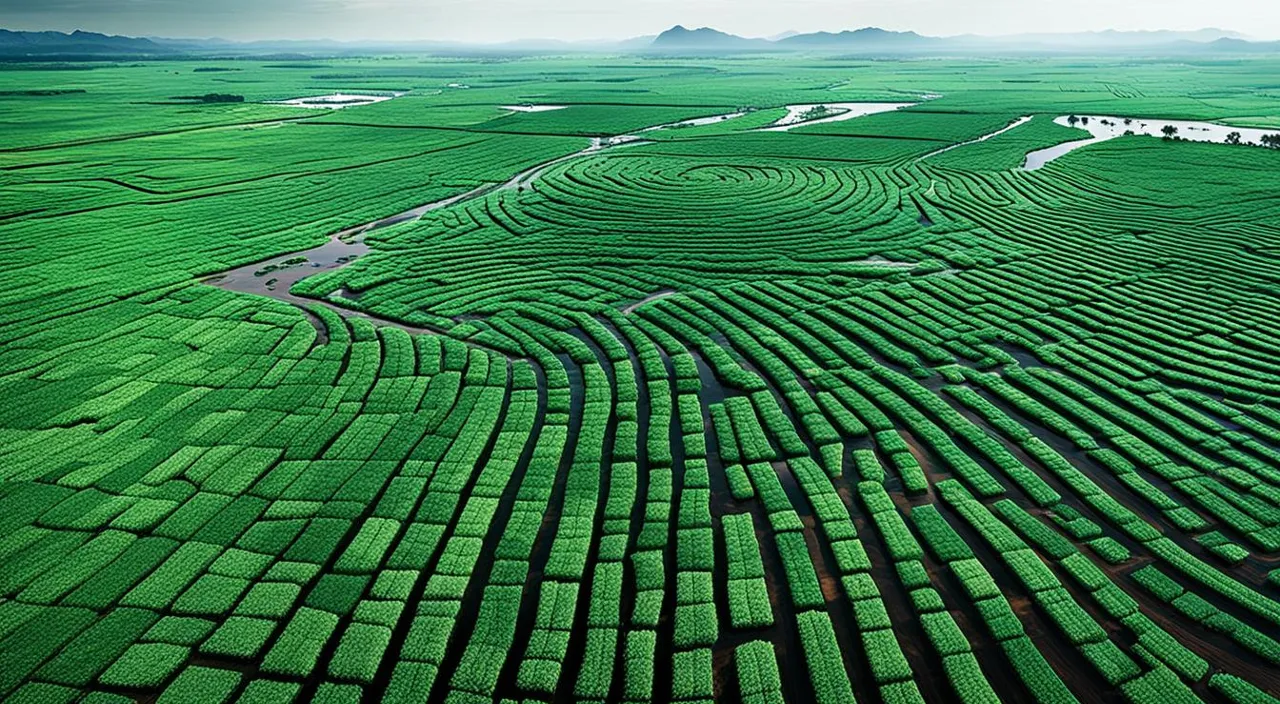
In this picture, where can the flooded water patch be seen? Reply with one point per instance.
(275, 277)
(693, 122)
(1105, 127)
(649, 299)
(335, 101)
(877, 260)
(697, 121)
(532, 108)
(822, 113)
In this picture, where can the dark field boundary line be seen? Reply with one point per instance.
(21, 214)
(142, 135)
(36, 165)
(937, 111)
(468, 130)
(587, 104)
(584, 135)
(181, 194)
(721, 159)
(894, 137)
(100, 179)
(739, 134)
(127, 204)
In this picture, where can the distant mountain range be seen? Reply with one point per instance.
(706, 38)
(867, 36)
(876, 40)
(871, 41)
(36, 46)
(77, 42)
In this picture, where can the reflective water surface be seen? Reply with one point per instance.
(1105, 127)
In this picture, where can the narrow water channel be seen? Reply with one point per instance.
(1020, 121)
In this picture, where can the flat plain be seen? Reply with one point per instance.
(430, 399)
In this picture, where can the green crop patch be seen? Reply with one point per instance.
(566, 377)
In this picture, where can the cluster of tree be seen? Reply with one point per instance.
(815, 112)
(39, 93)
(1170, 132)
(1271, 141)
(212, 98)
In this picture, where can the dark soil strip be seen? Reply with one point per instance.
(628, 600)
(479, 579)
(141, 135)
(542, 546)
(578, 636)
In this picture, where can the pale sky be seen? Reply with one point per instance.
(501, 20)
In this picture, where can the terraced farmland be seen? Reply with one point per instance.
(715, 413)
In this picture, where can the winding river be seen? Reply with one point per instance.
(1105, 127)
(1020, 121)
(844, 111)
(275, 276)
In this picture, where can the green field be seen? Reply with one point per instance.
(717, 414)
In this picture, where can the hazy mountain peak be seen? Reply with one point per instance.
(77, 42)
(877, 40)
(678, 37)
(872, 41)
(863, 35)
